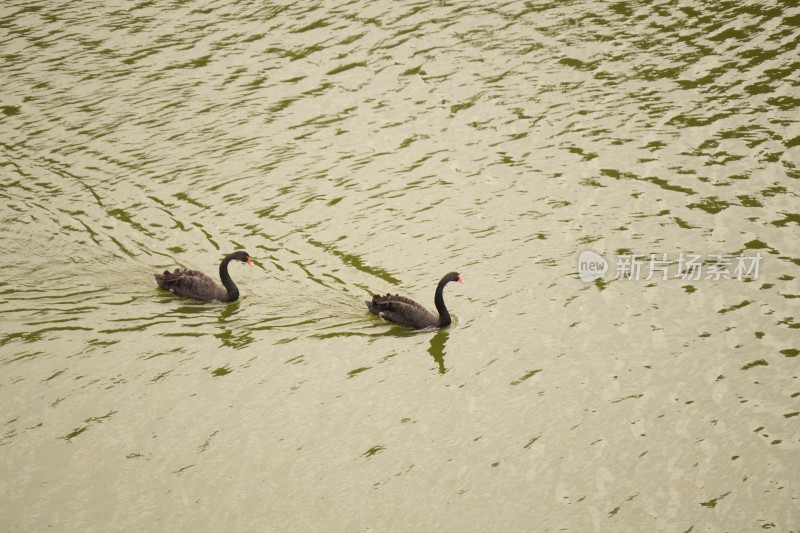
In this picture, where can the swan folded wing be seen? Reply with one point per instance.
(164, 280)
(380, 300)
(403, 311)
(191, 283)
(178, 276)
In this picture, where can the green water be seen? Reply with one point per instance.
(370, 147)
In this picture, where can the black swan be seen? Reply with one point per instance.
(198, 286)
(407, 312)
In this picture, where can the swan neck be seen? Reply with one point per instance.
(227, 282)
(438, 300)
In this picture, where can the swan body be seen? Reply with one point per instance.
(408, 313)
(198, 286)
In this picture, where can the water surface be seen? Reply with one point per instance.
(367, 147)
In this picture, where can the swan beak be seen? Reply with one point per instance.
(460, 279)
(249, 262)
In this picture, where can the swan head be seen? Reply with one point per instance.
(453, 276)
(242, 256)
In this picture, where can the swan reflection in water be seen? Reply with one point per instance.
(437, 348)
